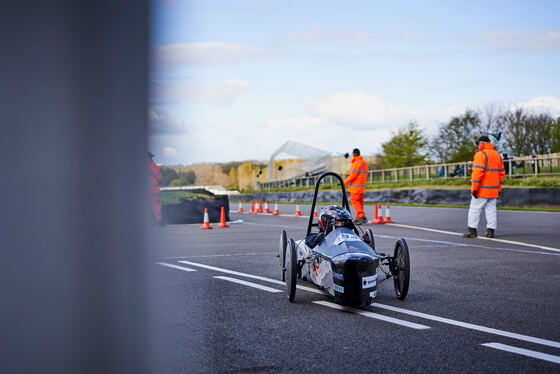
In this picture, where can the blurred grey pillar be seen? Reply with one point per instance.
(73, 99)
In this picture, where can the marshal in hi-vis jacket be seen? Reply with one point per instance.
(356, 180)
(487, 172)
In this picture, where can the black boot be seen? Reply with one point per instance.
(490, 233)
(470, 234)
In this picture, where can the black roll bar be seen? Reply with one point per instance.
(344, 197)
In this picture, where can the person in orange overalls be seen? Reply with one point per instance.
(356, 182)
(154, 178)
(486, 184)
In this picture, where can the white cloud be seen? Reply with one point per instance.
(321, 133)
(219, 93)
(333, 33)
(326, 129)
(541, 41)
(359, 110)
(162, 123)
(169, 151)
(314, 33)
(548, 104)
(203, 54)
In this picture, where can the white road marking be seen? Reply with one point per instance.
(452, 244)
(222, 255)
(269, 225)
(373, 315)
(309, 289)
(470, 326)
(480, 237)
(175, 266)
(524, 352)
(222, 270)
(245, 283)
(449, 321)
(455, 233)
(271, 215)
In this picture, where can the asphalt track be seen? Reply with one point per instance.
(474, 305)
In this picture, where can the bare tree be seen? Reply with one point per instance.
(514, 124)
(540, 129)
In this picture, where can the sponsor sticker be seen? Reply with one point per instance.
(338, 276)
(345, 237)
(338, 288)
(373, 293)
(368, 282)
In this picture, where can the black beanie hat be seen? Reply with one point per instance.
(483, 138)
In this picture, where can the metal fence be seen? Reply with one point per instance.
(517, 167)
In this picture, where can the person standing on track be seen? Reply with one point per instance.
(154, 178)
(356, 182)
(486, 184)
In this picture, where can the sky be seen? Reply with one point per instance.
(233, 80)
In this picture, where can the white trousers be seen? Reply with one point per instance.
(475, 209)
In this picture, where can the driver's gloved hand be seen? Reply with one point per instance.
(319, 238)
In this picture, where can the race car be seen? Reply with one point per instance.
(340, 261)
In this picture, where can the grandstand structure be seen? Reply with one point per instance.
(315, 161)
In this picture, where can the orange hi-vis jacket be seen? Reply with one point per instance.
(154, 178)
(487, 172)
(356, 180)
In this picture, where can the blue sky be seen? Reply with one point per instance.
(232, 80)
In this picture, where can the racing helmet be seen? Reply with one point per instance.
(330, 215)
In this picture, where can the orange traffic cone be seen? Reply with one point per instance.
(380, 216)
(266, 210)
(223, 218)
(298, 212)
(388, 215)
(315, 215)
(378, 219)
(259, 209)
(374, 215)
(240, 210)
(276, 212)
(206, 225)
(252, 207)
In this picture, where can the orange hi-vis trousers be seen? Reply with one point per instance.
(357, 200)
(156, 205)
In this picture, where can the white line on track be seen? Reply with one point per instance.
(232, 272)
(524, 352)
(222, 255)
(175, 266)
(250, 276)
(373, 315)
(443, 242)
(442, 232)
(245, 283)
(269, 225)
(470, 326)
(480, 237)
(449, 321)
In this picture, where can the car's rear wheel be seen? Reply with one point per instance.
(282, 254)
(401, 269)
(368, 238)
(291, 270)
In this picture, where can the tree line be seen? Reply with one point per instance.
(232, 175)
(515, 132)
(522, 133)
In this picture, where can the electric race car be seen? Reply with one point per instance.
(340, 261)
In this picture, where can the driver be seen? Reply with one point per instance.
(331, 218)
